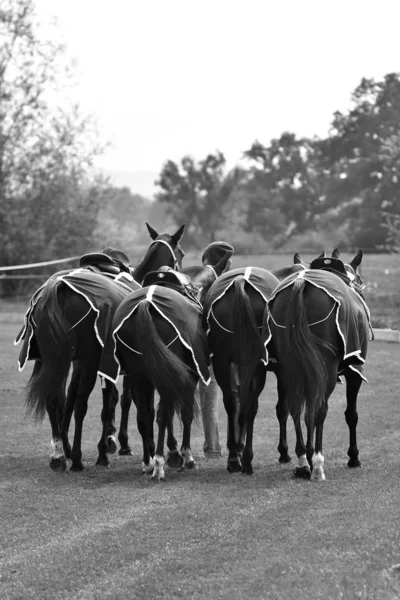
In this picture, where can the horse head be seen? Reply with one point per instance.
(352, 270)
(165, 249)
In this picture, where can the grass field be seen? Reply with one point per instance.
(113, 533)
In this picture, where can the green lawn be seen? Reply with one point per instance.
(113, 533)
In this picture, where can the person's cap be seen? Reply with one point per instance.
(215, 251)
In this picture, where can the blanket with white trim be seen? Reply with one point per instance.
(183, 314)
(351, 313)
(103, 293)
(263, 281)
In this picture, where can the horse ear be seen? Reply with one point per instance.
(176, 238)
(297, 259)
(357, 259)
(322, 255)
(153, 233)
(335, 253)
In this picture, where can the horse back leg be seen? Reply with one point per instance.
(175, 459)
(319, 419)
(86, 384)
(126, 401)
(107, 443)
(255, 390)
(353, 384)
(164, 414)
(187, 420)
(69, 406)
(143, 392)
(225, 375)
(303, 468)
(282, 413)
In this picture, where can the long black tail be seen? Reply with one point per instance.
(46, 386)
(305, 368)
(174, 379)
(247, 349)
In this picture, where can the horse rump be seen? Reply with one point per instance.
(54, 343)
(171, 372)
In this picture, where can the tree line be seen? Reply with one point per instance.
(288, 193)
(345, 186)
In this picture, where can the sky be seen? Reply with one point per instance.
(165, 78)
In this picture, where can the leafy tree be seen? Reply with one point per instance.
(287, 189)
(49, 199)
(362, 155)
(196, 193)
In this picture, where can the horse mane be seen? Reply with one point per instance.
(149, 254)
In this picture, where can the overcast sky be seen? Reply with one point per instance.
(169, 77)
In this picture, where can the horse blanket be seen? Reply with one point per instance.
(351, 314)
(263, 281)
(103, 293)
(184, 315)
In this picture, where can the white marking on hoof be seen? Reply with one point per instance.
(318, 467)
(189, 460)
(111, 444)
(57, 448)
(303, 462)
(149, 467)
(158, 472)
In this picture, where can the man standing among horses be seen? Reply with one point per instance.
(209, 394)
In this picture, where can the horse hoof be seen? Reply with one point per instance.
(175, 460)
(102, 462)
(234, 466)
(191, 465)
(284, 459)
(302, 472)
(77, 467)
(58, 464)
(157, 479)
(111, 445)
(353, 462)
(247, 470)
(125, 452)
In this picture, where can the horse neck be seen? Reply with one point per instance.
(154, 259)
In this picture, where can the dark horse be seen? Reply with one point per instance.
(158, 341)
(233, 314)
(66, 325)
(201, 277)
(317, 327)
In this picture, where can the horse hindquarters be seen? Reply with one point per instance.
(154, 358)
(54, 343)
(307, 347)
(235, 343)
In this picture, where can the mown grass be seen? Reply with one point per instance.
(114, 533)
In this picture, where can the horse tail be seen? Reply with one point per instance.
(246, 342)
(305, 367)
(46, 386)
(174, 380)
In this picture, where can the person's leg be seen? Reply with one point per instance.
(209, 412)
